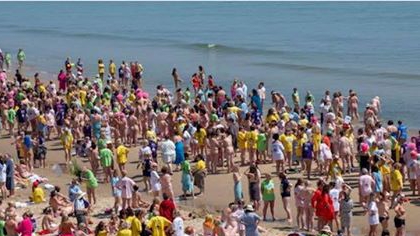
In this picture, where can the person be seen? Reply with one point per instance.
(176, 77)
(81, 208)
(299, 194)
(373, 215)
(25, 227)
(167, 207)
(286, 195)
(168, 152)
(267, 190)
(101, 69)
(126, 186)
(67, 142)
(383, 210)
(21, 56)
(322, 203)
(91, 184)
(199, 174)
(237, 186)
(178, 224)
(396, 180)
(106, 158)
(155, 180)
(48, 224)
(10, 175)
(3, 168)
(166, 182)
(112, 68)
(346, 214)
(186, 179)
(66, 226)
(37, 193)
(254, 178)
(158, 224)
(335, 196)
(399, 219)
(366, 184)
(124, 229)
(122, 152)
(277, 150)
(251, 220)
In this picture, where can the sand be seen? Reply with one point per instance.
(219, 192)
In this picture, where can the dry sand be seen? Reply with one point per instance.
(219, 192)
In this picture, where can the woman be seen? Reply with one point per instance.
(346, 214)
(166, 183)
(399, 219)
(373, 214)
(299, 202)
(101, 229)
(175, 76)
(116, 193)
(3, 188)
(155, 180)
(267, 189)
(307, 193)
(48, 224)
(91, 184)
(285, 195)
(66, 226)
(323, 205)
(186, 179)
(179, 151)
(237, 186)
(254, 177)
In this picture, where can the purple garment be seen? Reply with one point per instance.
(126, 185)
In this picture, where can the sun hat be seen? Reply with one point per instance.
(326, 229)
(249, 207)
(80, 194)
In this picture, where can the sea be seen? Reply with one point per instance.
(370, 47)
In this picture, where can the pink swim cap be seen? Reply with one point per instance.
(120, 97)
(364, 147)
(411, 146)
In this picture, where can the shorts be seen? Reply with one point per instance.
(399, 222)
(382, 218)
(10, 183)
(278, 158)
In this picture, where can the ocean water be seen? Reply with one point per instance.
(371, 47)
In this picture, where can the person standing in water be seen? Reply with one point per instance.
(177, 79)
(21, 56)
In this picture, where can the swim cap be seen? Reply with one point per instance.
(364, 147)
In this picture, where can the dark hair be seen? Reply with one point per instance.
(99, 227)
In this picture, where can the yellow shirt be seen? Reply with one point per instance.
(135, 227)
(82, 94)
(234, 109)
(101, 68)
(316, 139)
(385, 169)
(151, 135)
(38, 195)
(303, 122)
(201, 165)
(252, 138)
(272, 117)
(299, 145)
(287, 141)
(112, 68)
(122, 152)
(242, 144)
(124, 232)
(200, 135)
(157, 225)
(396, 180)
(103, 233)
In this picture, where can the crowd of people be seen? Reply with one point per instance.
(206, 131)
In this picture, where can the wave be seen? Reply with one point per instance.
(236, 50)
(88, 35)
(338, 71)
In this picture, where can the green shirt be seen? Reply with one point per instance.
(8, 60)
(101, 144)
(261, 142)
(92, 182)
(106, 156)
(267, 189)
(21, 56)
(11, 115)
(2, 223)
